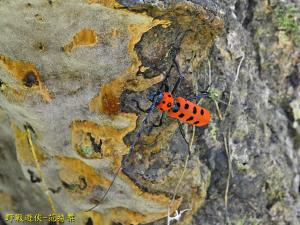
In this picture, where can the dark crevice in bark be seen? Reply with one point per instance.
(250, 13)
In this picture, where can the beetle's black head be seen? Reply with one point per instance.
(155, 96)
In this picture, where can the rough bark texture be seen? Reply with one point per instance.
(70, 70)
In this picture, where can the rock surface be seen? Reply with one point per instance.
(70, 70)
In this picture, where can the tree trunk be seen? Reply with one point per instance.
(71, 73)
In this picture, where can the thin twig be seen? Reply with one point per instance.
(184, 168)
(228, 154)
(218, 109)
(182, 175)
(177, 216)
(209, 72)
(108, 189)
(238, 69)
(236, 78)
(40, 172)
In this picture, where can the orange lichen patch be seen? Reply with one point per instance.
(120, 215)
(107, 3)
(26, 75)
(107, 101)
(193, 14)
(85, 37)
(127, 217)
(11, 95)
(85, 134)
(24, 153)
(158, 138)
(197, 200)
(73, 170)
(158, 198)
(136, 31)
(140, 83)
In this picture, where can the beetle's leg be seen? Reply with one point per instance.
(182, 133)
(203, 94)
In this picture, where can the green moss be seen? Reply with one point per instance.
(274, 186)
(243, 168)
(214, 93)
(286, 18)
(275, 194)
(86, 150)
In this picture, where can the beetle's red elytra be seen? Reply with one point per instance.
(184, 110)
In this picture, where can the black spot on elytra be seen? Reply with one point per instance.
(196, 122)
(161, 109)
(89, 221)
(186, 106)
(202, 112)
(191, 118)
(181, 115)
(169, 96)
(169, 104)
(163, 102)
(30, 79)
(194, 110)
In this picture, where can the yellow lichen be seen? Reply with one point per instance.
(26, 77)
(111, 138)
(106, 3)
(107, 101)
(23, 148)
(71, 171)
(85, 37)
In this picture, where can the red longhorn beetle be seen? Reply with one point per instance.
(184, 110)
(179, 108)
